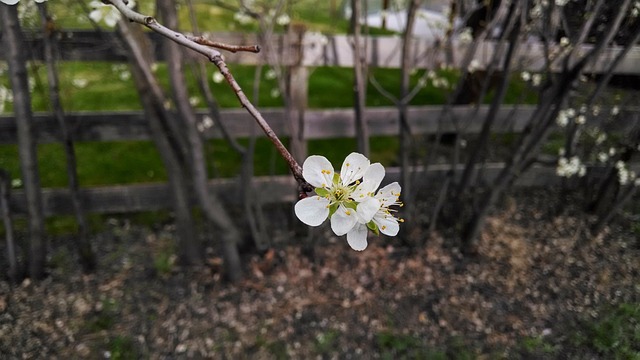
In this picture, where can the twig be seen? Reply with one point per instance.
(218, 45)
(216, 57)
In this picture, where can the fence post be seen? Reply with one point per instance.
(297, 88)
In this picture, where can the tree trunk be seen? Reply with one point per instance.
(207, 200)
(87, 256)
(405, 130)
(26, 142)
(5, 212)
(360, 84)
(153, 103)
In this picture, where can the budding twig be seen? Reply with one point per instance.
(218, 45)
(206, 49)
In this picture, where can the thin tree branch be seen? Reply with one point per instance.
(216, 57)
(218, 45)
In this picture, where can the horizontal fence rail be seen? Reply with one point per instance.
(313, 49)
(318, 124)
(272, 189)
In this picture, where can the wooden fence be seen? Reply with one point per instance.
(319, 124)
(311, 50)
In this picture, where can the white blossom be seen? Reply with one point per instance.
(564, 41)
(525, 76)
(270, 74)
(194, 100)
(242, 18)
(474, 65)
(275, 92)
(217, 77)
(536, 79)
(466, 36)
(561, 2)
(624, 175)
(348, 199)
(615, 110)
(13, 2)
(80, 83)
(283, 20)
(106, 14)
(569, 167)
(581, 119)
(603, 157)
(563, 117)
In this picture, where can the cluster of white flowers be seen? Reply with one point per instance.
(561, 2)
(625, 176)
(314, 37)
(242, 18)
(80, 83)
(205, 124)
(13, 2)
(283, 20)
(106, 14)
(635, 11)
(535, 79)
(564, 116)
(474, 65)
(6, 96)
(270, 74)
(615, 110)
(465, 36)
(569, 167)
(349, 199)
(122, 71)
(603, 157)
(217, 77)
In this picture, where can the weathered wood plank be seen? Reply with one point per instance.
(272, 189)
(150, 196)
(319, 124)
(319, 50)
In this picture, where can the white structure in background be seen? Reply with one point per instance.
(431, 20)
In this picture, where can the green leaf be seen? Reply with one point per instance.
(322, 192)
(350, 204)
(333, 208)
(373, 227)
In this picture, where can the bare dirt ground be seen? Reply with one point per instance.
(536, 281)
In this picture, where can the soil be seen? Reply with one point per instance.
(537, 279)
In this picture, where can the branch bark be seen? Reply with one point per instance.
(18, 77)
(87, 256)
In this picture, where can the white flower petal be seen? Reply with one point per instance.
(367, 209)
(357, 237)
(389, 194)
(353, 168)
(10, 2)
(313, 210)
(318, 171)
(95, 15)
(343, 220)
(387, 223)
(370, 182)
